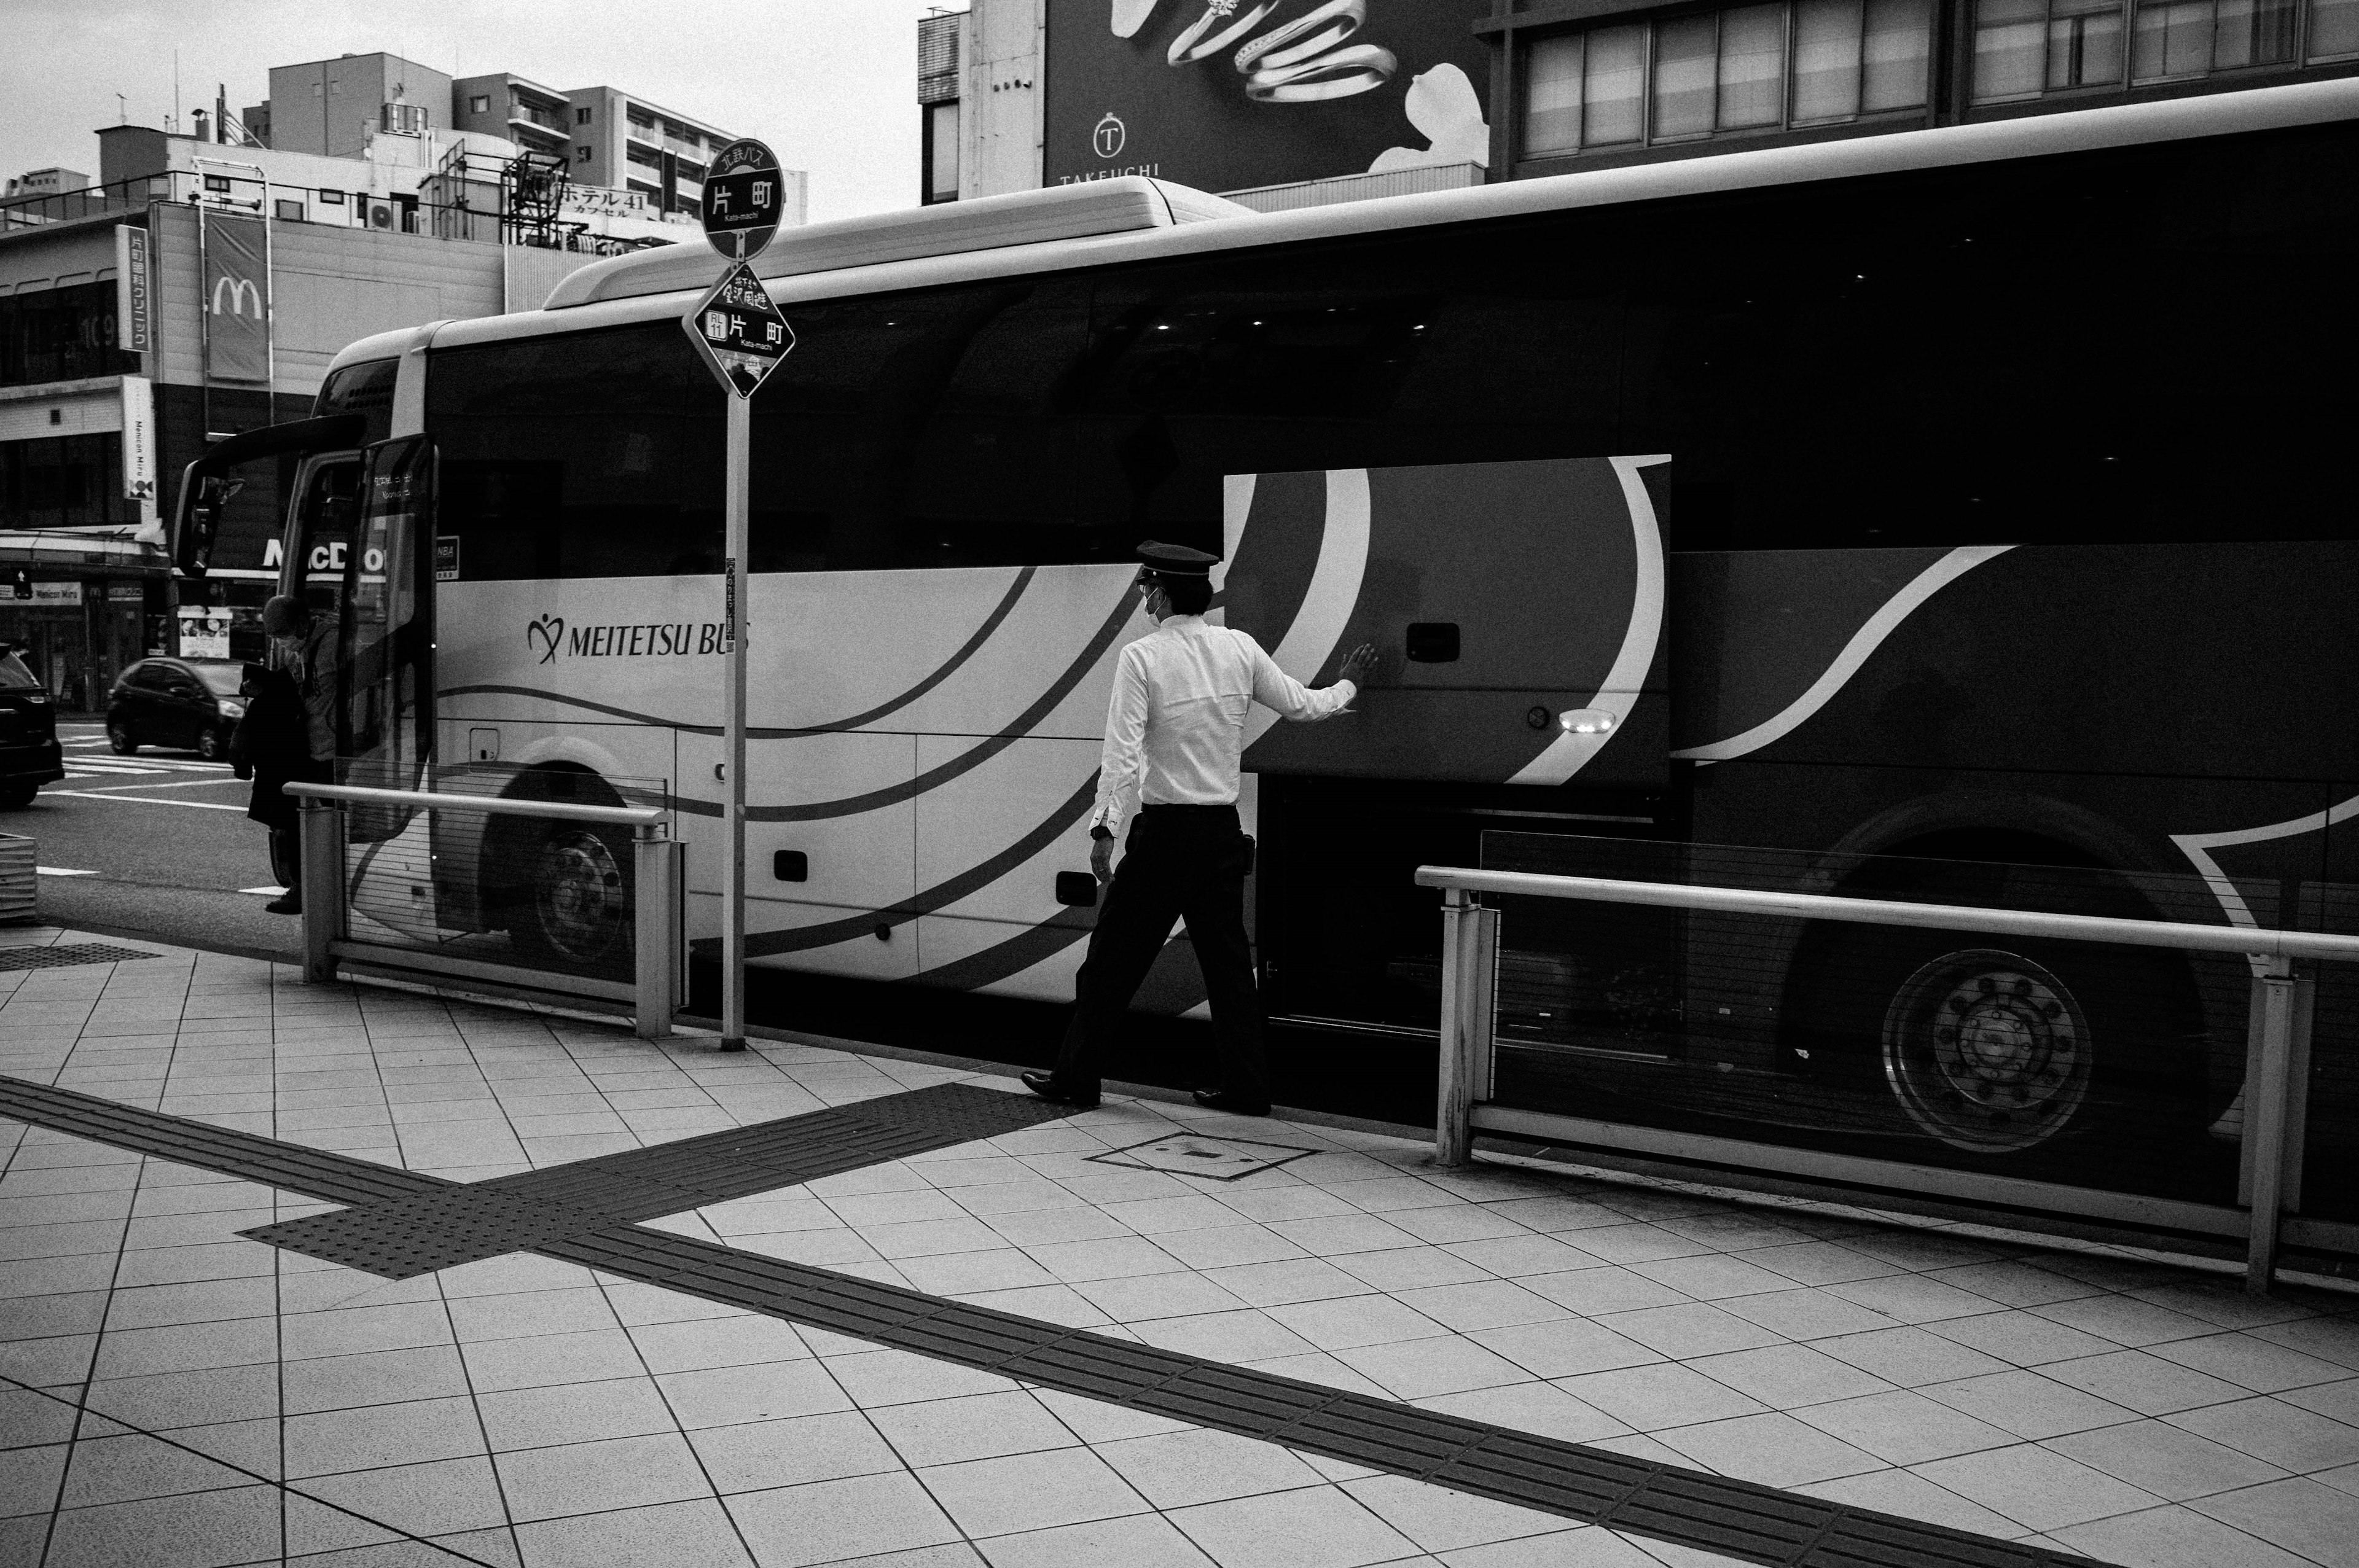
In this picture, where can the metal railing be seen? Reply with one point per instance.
(652, 994)
(2276, 1049)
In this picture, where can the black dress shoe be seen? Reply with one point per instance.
(1045, 1085)
(284, 905)
(1220, 1099)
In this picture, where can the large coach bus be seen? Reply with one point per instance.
(1950, 515)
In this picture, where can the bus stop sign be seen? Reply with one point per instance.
(744, 196)
(738, 329)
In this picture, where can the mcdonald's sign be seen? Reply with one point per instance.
(236, 305)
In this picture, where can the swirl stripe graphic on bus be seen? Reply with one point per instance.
(768, 944)
(1855, 654)
(940, 672)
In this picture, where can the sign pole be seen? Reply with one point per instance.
(736, 623)
(738, 329)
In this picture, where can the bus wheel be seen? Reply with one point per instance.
(2010, 1053)
(579, 903)
(1988, 1050)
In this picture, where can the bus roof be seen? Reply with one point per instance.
(608, 294)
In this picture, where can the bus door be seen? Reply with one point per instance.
(384, 719)
(319, 532)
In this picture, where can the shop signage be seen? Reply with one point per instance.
(204, 632)
(125, 593)
(236, 300)
(56, 593)
(138, 439)
(135, 301)
(1230, 95)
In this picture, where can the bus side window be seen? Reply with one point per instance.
(324, 521)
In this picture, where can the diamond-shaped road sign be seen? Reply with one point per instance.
(739, 331)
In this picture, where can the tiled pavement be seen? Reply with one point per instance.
(177, 1395)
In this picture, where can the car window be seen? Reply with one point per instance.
(15, 676)
(144, 678)
(223, 680)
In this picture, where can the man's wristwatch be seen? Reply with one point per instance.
(1099, 830)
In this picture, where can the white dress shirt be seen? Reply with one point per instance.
(1175, 729)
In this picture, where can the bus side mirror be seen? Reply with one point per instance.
(203, 498)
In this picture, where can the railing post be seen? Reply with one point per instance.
(1469, 946)
(322, 879)
(2268, 1080)
(655, 996)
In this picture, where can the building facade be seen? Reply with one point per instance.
(942, 60)
(331, 107)
(1459, 91)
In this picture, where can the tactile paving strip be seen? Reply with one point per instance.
(419, 1234)
(30, 958)
(1712, 1513)
(314, 1173)
(1639, 1497)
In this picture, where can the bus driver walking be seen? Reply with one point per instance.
(1174, 732)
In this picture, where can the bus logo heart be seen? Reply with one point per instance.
(545, 633)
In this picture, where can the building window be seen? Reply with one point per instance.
(942, 152)
(331, 198)
(2024, 48)
(1749, 68)
(581, 117)
(288, 211)
(480, 105)
(582, 155)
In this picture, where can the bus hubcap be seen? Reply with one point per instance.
(1988, 1050)
(580, 897)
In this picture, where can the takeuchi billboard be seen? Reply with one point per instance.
(1229, 94)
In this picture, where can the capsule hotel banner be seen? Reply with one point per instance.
(1228, 94)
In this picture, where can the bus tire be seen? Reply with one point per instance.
(575, 909)
(2002, 1047)
(562, 891)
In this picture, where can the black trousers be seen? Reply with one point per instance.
(1181, 860)
(286, 859)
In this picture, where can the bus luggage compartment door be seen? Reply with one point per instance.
(1503, 597)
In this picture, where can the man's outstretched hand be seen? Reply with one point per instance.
(1359, 665)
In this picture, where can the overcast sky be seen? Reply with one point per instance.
(829, 84)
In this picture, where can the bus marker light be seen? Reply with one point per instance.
(1585, 722)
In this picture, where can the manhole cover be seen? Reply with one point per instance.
(77, 953)
(1194, 1154)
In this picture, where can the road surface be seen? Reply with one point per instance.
(155, 844)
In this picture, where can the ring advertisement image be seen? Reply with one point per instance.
(1231, 94)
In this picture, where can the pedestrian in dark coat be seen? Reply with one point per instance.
(272, 746)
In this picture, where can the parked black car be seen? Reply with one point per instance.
(29, 757)
(176, 702)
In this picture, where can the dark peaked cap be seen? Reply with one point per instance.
(1175, 560)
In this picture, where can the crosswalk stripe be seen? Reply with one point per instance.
(156, 767)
